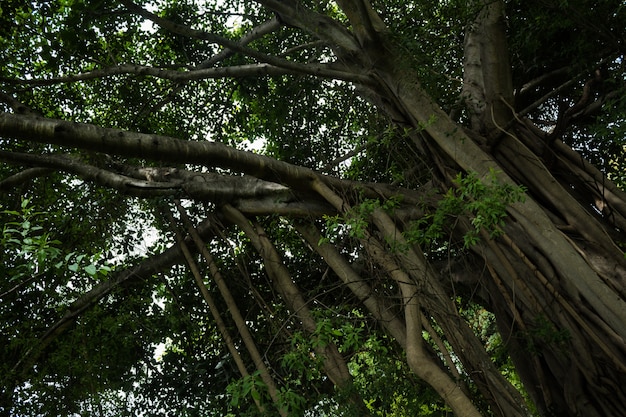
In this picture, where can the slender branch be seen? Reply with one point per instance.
(23, 177)
(237, 71)
(235, 46)
(333, 363)
(357, 284)
(535, 83)
(256, 33)
(20, 285)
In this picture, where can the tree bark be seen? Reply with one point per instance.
(235, 313)
(221, 325)
(555, 277)
(334, 364)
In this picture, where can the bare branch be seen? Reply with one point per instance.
(168, 149)
(23, 177)
(94, 174)
(251, 70)
(236, 46)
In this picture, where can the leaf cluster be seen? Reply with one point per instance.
(27, 248)
(484, 202)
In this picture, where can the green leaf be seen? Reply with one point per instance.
(91, 270)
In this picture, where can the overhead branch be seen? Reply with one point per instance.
(23, 177)
(168, 149)
(256, 33)
(100, 176)
(233, 45)
(236, 71)
(318, 25)
(248, 194)
(545, 79)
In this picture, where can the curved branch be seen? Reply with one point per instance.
(125, 184)
(23, 177)
(285, 64)
(238, 71)
(168, 149)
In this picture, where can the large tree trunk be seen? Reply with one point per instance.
(556, 268)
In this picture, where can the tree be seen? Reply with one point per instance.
(422, 164)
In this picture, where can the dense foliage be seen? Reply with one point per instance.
(312, 208)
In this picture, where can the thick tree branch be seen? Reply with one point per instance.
(366, 24)
(127, 185)
(168, 149)
(248, 194)
(17, 106)
(322, 27)
(488, 86)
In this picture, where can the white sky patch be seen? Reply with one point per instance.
(160, 349)
(255, 145)
(148, 26)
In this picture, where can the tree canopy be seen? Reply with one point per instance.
(269, 207)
